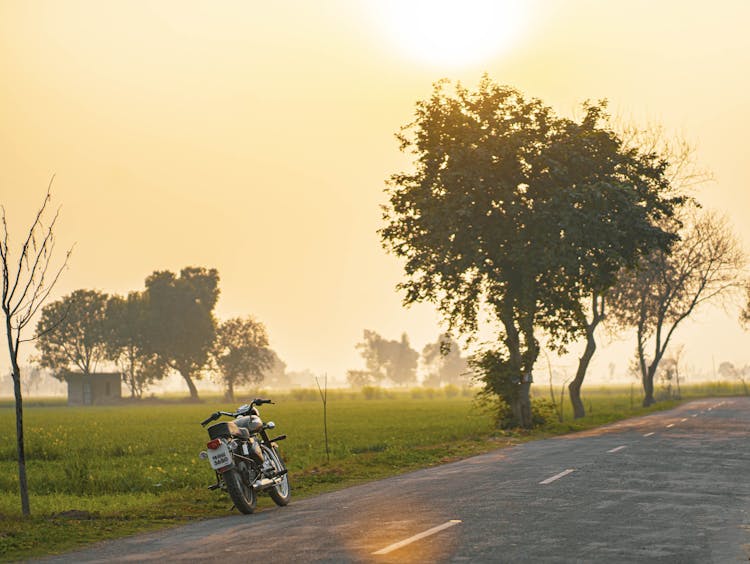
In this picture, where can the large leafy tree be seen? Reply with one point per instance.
(127, 329)
(666, 288)
(241, 353)
(519, 214)
(72, 332)
(181, 326)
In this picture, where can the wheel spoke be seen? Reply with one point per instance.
(282, 488)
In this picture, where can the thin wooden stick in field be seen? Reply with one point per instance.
(324, 399)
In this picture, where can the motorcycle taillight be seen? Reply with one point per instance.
(214, 444)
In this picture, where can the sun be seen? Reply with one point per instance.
(451, 33)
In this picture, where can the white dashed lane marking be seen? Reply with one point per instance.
(617, 448)
(419, 536)
(648, 434)
(557, 476)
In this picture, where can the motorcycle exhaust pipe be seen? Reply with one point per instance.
(265, 483)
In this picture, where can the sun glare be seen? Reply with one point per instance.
(450, 32)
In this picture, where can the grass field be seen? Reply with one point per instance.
(102, 472)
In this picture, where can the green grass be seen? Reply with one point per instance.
(133, 468)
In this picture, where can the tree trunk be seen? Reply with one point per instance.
(229, 394)
(191, 386)
(520, 363)
(647, 372)
(132, 384)
(597, 309)
(527, 421)
(521, 405)
(574, 388)
(23, 484)
(648, 386)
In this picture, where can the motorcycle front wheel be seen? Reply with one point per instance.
(242, 494)
(281, 493)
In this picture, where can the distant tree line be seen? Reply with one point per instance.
(537, 225)
(396, 362)
(169, 326)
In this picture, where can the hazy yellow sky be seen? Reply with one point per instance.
(255, 137)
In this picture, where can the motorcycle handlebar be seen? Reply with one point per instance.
(212, 417)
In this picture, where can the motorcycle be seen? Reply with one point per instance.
(246, 461)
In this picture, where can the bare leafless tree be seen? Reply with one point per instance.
(666, 288)
(28, 279)
(684, 171)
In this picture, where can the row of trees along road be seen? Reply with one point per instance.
(396, 362)
(168, 326)
(535, 221)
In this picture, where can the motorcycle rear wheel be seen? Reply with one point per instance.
(280, 494)
(242, 494)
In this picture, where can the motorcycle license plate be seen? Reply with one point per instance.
(219, 457)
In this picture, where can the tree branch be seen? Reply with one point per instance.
(30, 237)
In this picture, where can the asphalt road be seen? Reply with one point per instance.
(668, 487)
